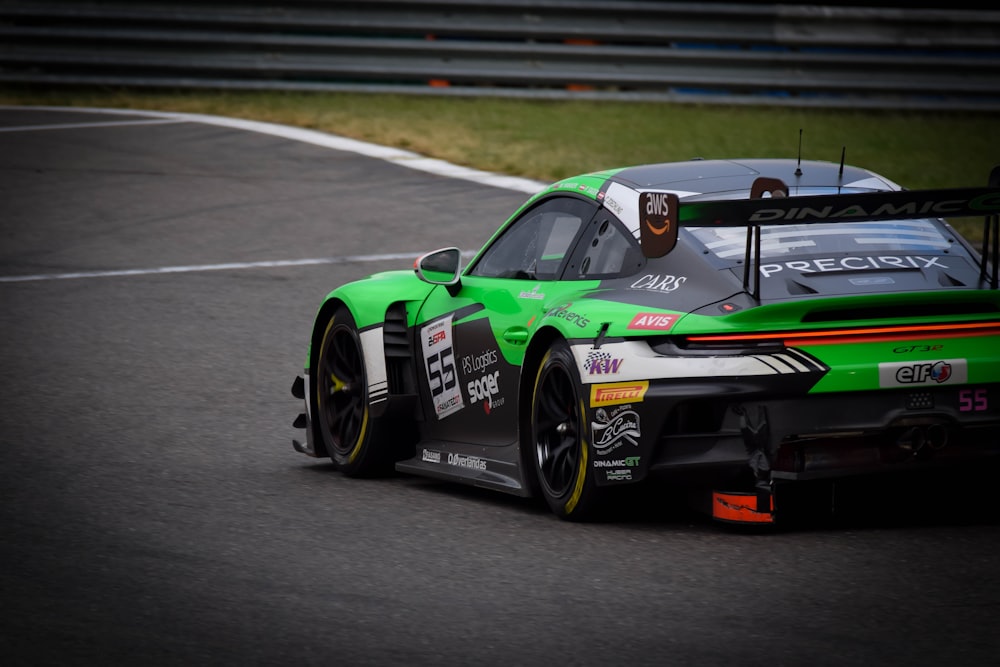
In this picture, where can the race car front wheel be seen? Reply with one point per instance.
(559, 435)
(342, 407)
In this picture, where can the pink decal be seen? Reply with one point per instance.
(652, 321)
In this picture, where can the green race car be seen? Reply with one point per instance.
(748, 325)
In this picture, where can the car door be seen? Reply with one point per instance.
(472, 341)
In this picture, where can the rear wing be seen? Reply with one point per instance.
(663, 213)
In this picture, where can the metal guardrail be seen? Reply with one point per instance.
(628, 50)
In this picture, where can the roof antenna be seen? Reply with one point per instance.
(843, 150)
(798, 166)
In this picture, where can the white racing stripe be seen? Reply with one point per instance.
(393, 155)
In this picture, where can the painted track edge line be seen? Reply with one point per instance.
(397, 156)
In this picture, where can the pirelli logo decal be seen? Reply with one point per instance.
(617, 393)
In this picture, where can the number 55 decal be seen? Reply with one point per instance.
(439, 361)
(972, 400)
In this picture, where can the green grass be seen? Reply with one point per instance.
(548, 139)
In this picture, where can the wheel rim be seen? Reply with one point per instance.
(342, 390)
(557, 431)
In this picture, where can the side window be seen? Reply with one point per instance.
(606, 250)
(536, 245)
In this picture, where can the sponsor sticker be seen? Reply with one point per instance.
(923, 373)
(564, 312)
(599, 362)
(614, 206)
(622, 201)
(485, 387)
(617, 393)
(625, 462)
(487, 390)
(430, 456)
(867, 263)
(614, 428)
(474, 363)
(533, 294)
(463, 461)
(658, 227)
(659, 282)
(652, 322)
(439, 362)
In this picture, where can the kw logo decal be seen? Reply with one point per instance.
(601, 363)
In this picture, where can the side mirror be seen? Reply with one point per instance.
(440, 267)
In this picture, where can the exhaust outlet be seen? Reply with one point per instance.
(914, 439)
(936, 436)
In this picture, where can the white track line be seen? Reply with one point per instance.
(75, 126)
(393, 155)
(196, 268)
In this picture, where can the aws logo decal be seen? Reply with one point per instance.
(658, 232)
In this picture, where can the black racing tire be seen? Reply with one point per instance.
(560, 437)
(342, 406)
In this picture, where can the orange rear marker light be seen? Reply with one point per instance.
(868, 334)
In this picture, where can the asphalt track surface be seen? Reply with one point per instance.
(158, 276)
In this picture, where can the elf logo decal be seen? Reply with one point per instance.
(614, 429)
(945, 371)
(616, 393)
(601, 363)
(854, 264)
(938, 372)
(658, 282)
(652, 321)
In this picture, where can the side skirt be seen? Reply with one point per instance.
(494, 468)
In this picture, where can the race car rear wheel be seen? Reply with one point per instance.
(342, 406)
(559, 435)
